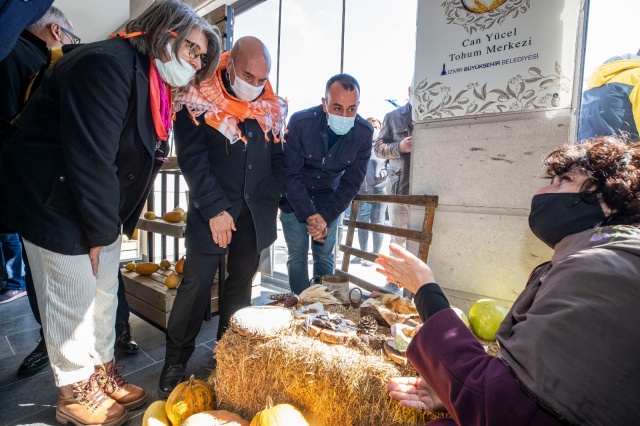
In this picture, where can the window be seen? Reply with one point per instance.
(379, 51)
(309, 50)
(261, 21)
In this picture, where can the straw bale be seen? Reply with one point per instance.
(330, 384)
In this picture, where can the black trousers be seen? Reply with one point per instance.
(194, 293)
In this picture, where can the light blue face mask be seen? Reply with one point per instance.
(339, 124)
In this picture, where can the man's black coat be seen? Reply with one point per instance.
(223, 176)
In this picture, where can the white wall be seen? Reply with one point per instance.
(485, 171)
(94, 20)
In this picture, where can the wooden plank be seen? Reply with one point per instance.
(390, 230)
(147, 311)
(159, 226)
(427, 226)
(357, 253)
(414, 200)
(129, 245)
(149, 288)
(128, 255)
(366, 285)
(217, 15)
(350, 231)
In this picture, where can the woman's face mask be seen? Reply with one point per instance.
(176, 72)
(560, 209)
(555, 216)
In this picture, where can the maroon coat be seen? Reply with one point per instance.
(475, 387)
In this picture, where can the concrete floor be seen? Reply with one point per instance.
(32, 400)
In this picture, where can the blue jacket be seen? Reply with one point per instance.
(15, 16)
(318, 179)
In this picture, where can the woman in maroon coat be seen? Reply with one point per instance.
(569, 346)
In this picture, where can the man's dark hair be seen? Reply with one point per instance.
(348, 82)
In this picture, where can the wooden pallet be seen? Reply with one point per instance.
(423, 237)
(151, 300)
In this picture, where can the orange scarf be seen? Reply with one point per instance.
(224, 112)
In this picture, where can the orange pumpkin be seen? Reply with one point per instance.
(215, 418)
(188, 398)
(180, 265)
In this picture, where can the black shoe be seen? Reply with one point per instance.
(124, 342)
(172, 375)
(36, 360)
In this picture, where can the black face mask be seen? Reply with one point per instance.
(558, 215)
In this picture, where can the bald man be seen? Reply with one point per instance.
(227, 134)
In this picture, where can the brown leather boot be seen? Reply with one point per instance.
(84, 403)
(117, 388)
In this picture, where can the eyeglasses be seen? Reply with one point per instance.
(74, 38)
(195, 55)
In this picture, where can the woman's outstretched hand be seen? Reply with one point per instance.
(415, 393)
(405, 269)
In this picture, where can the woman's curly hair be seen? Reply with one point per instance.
(613, 167)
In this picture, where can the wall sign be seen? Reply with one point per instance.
(493, 56)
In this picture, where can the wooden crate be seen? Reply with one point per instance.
(129, 250)
(151, 300)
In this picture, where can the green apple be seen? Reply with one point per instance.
(485, 317)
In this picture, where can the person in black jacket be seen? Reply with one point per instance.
(228, 133)
(78, 169)
(17, 70)
(326, 154)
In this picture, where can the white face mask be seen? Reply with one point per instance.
(244, 90)
(176, 72)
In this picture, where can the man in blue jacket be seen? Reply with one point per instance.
(325, 161)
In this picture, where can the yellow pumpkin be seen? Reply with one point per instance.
(146, 268)
(172, 217)
(215, 418)
(188, 398)
(172, 281)
(279, 415)
(155, 415)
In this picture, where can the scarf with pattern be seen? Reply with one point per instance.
(224, 112)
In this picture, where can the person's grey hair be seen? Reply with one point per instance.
(52, 16)
(167, 20)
